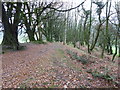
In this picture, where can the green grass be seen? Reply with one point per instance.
(45, 83)
(39, 42)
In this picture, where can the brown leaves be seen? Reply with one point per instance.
(43, 66)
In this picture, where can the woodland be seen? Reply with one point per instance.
(65, 45)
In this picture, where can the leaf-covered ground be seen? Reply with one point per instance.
(51, 66)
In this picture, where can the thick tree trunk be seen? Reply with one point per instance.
(10, 38)
(40, 34)
(31, 35)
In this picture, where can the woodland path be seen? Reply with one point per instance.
(46, 65)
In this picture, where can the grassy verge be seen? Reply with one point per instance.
(39, 42)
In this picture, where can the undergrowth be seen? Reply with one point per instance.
(74, 56)
(103, 75)
(39, 42)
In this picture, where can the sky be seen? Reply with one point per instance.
(87, 2)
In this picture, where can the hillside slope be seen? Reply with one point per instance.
(52, 65)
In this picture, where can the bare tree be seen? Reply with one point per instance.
(99, 11)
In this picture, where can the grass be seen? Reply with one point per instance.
(81, 59)
(97, 48)
(22, 47)
(23, 85)
(53, 86)
(39, 42)
(97, 74)
(45, 83)
(74, 56)
(9, 49)
(60, 51)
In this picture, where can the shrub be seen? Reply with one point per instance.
(82, 60)
(102, 75)
(74, 56)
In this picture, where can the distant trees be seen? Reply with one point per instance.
(33, 13)
(117, 7)
(117, 42)
(71, 25)
(31, 16)
(106, 41)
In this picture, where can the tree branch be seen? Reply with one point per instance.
(68, 9)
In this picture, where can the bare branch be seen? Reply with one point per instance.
(68, 9)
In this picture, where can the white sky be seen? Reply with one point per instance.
(87, 4)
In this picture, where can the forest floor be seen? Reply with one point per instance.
(51, 66)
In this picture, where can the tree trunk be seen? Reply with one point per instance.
(31, 35)
(10, 38)
(103, 49)
(115, 49)
(119, 50)
(98, 32)
(94, 43)
(111, 51)
(36, 36)
(40, 34)
(90, 28)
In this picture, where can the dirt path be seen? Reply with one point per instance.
(18, 65)
(45, 66)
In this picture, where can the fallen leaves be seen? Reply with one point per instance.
(46, 66)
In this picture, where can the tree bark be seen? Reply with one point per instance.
(98, 32)
(119, 50)
(10, 38)
(31, 35)
(115, 49)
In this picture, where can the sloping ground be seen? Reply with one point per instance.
(50, 66)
